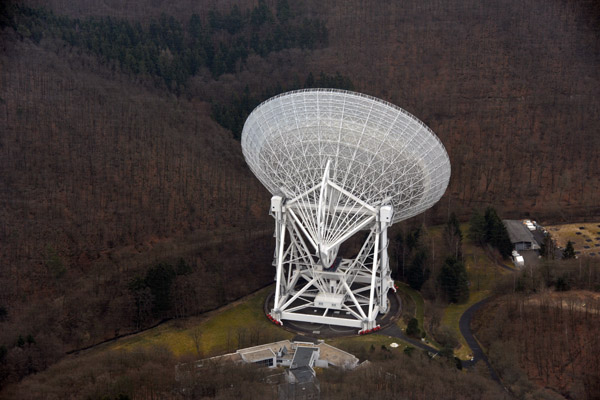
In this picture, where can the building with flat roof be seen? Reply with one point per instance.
(299, 380)
(520, 236)
(304, 357)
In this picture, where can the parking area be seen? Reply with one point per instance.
(531, 257)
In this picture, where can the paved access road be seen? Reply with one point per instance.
(465, 329)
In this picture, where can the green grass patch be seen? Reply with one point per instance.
(417, 299)
(241, 325)
(565, 232)
(451, 318)
(363, 347)
(244, 324)
(483, 273)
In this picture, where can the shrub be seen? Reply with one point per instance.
(412, 329)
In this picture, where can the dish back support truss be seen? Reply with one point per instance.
(337, 162)
(312, 283)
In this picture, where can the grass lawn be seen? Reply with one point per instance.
(360, 346)
(482, 273)
(243, 323)
(452, 315)
(417, 299)
(588, 236)
(219, 333)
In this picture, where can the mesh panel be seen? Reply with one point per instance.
(378, 152)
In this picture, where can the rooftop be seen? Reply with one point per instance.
(303, 356)
(304, 339)
(258, 355)
(274, 347)
(337, 357)
(518, 232)
(303, 374)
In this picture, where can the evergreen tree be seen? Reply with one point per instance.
(234, 21)
(453, 281)
(159, 279)
(183, 268)
(569, 251)
(453, 236)
(195, 28)
(477, 228)
(491, 225)
(417, 273)
(504, 245)
(562, 284)
(215, 20)
(284, 13)
(496, 233)
(261, 14)
(310, 81)
(30, 339)
(412, 239)
(412, 328)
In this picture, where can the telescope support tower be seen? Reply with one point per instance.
(312, 283)
(339, 164)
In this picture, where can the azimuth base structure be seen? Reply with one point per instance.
(338, 163)
(312, 284)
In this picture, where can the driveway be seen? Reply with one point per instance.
(465, 329)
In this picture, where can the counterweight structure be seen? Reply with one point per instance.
(337, 163)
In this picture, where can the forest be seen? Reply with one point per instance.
(540, 329)
(125, 200)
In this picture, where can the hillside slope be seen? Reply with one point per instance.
(549, 337)
(101, 179)
(107, 173)
(511, 87)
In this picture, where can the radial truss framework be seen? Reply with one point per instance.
(337, 163)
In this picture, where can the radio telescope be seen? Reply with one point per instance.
(336, 163)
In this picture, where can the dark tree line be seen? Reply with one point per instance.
(489, 228)
(551, 340)
(171, 51)
(157, 373)
(417, 262)
(232, 113)
(411, 258)
(453, 280)
(153, 292)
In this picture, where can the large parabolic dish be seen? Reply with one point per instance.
(339, 162)
(378, 151)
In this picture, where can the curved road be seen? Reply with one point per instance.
(465, 329)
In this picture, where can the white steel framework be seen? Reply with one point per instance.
(339, 162)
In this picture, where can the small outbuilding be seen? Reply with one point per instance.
(520, 236)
